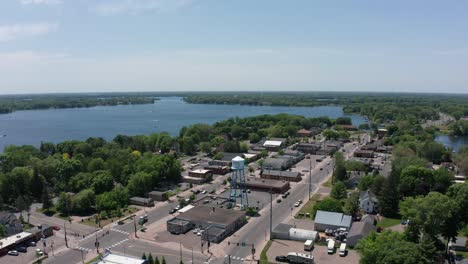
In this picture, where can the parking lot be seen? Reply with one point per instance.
(30, 255)
(283, 247)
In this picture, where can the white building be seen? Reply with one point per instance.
(368, 202)
(119, 259)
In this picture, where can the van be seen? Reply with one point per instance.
(308, 245)
(343, 249)
(331, 246)
(300, 258)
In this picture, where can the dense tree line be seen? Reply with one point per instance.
(92, 169)
(10, 104)
(379, 107)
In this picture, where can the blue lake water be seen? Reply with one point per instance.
(169, 114)
(452, 142)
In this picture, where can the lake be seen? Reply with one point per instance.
(452, 142)
(169, 114)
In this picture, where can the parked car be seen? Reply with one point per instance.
(31, 244)
(173, 210)
(204, 192)
(196, 230)
(278, 201)
(56, 228)
(299, 201)
(13, 253)
(22, 249)
(284, 196)
(321, 168)
(39, 252)
(281, 258)
(404, 222)
(296, 204)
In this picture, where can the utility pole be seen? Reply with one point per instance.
(271, 212)
(134, 225)
(180, 250)
(310, 175)
(192, 255)
(65, 229)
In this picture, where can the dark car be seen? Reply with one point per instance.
(173, 210)
(31, 244)
(22, 249)
(281, 258)
(56, 228)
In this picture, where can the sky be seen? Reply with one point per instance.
(50, 46)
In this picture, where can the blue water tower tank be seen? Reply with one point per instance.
(237, 163)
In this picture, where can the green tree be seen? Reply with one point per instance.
(366, 182)
(205, 147)
(163, 261)
(102, 181)
(144, 256)
(45, 199)
(139, 184)
(243, 147)
(339, 172)
(389, 198)
(328, 204)
(156, 260)
(415, 180)
(339, 191)
(387, 248)
(83, 201)
(37, 182)
(434, 215)
(150, 259)
(3, 230)
(351, 204)
(96, 164)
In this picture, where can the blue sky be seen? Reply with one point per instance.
(186, 45)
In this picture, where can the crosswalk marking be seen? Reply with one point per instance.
(120, 231)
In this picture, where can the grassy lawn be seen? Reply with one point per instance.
(125, 212)
(263, 254)
(307, 208)
(388, 222)
(463, 254)
(328, 183)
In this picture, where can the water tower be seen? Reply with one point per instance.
(238, 186)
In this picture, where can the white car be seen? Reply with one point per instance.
(39, 252)
(13, 253)
(204, 192)
(296, 204)
(196, 230)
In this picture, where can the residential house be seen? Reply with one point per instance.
(12, 224)
(368, 202)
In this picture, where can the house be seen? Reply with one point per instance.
(304, 133)
(331, 220)
(368, 202)
(358, 231)
(12, 224)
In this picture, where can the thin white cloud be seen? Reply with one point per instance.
(40, 2)
(27, 57)
(18, 31)
(116, 7)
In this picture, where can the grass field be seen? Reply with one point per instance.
(308, 207)
(388, 222)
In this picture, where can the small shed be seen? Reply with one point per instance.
(158, 196)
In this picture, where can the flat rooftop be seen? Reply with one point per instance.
(282, 173)
(7, 241)
(200, 171)
(207, 214)
(259, 182)
(118, 259)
